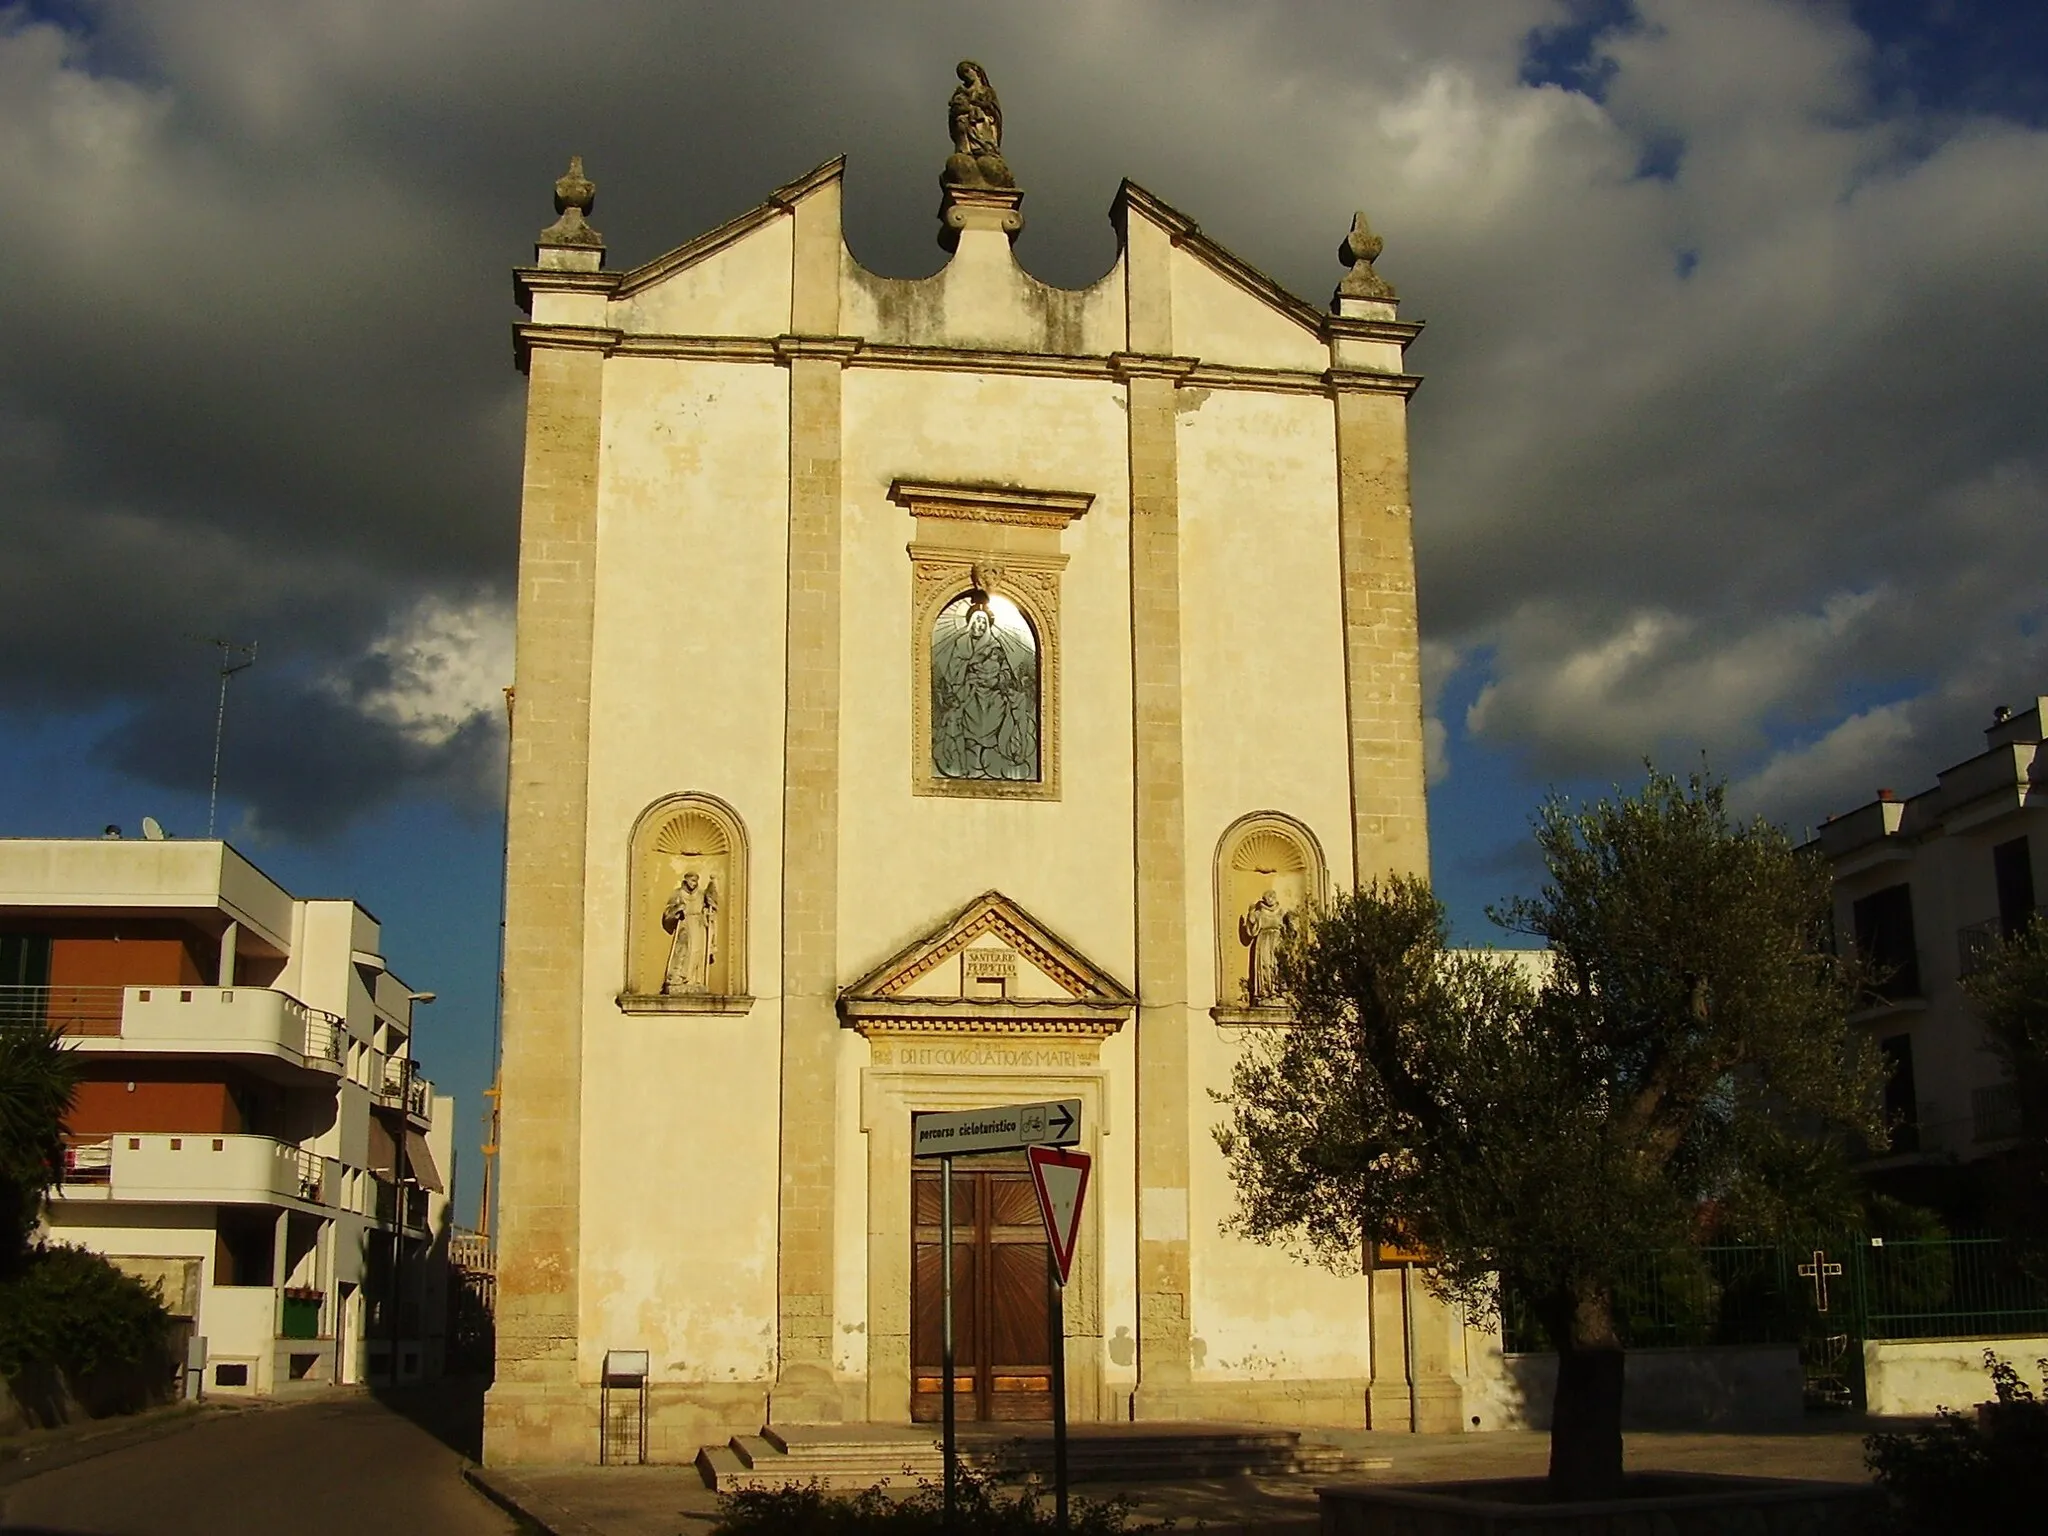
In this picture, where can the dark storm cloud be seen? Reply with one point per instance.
(1701, 449)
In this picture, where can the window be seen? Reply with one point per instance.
(2012, 868)
(1884, 942)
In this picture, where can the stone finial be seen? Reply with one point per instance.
(575, 196)
(1359, 250)
(975, 119)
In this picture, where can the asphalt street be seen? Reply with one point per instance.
(346, 1465)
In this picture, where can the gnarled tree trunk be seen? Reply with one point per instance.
(1585, 1416)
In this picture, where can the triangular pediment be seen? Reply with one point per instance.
(989, 966)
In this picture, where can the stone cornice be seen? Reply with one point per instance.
(1079, 1018)
(983, 360)
(1360, 381)
(838, 349)
(1350, 328)
(853, 352)
(1286, 381)
(527, 281)
(568, 338)
(991, 503)
(1144, 365)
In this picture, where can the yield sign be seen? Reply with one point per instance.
(1060, 1175)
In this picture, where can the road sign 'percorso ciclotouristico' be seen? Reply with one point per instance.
(1007, 1128)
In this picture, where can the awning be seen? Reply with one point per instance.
(424, 1173)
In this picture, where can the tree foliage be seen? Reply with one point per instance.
(2010, 988)
(37, 1079)
(70, 1308)
(1683, 1056)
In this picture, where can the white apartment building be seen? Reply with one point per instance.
(251, 1128)
(1922, 885)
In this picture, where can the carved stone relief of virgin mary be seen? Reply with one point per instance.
(984, 682)
(686, 923)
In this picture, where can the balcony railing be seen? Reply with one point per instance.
(1995, 1112)
(403, 1087)
(197, 1167)
(211, 1019)
(64, 1010)
(1977, 942)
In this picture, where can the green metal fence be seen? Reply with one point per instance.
(1850, 1285)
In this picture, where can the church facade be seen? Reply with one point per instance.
(934, 694)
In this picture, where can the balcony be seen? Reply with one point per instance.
(184, 1020)
(404, 1088)
(197, 1169)
(1995, 1113)
(1977, 942)
(384, 1209)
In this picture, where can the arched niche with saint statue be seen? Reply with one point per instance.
(686, 920)
(1269, 877)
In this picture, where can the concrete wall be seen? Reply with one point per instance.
(1742, 1386)
(1919, 1376)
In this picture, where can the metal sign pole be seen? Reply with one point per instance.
(1059, 1390)
(952, 1449)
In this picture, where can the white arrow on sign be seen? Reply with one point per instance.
(1006, 1128)
(1060, 1177)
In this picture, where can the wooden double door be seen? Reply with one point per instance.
(1002, 1344)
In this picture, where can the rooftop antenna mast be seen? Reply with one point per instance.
(235, 656)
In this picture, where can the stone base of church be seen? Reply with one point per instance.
(1330, 1400)
(1437, 1408)
(535, 1425)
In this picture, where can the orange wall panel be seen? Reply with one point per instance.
(103, 1108)
(136, 962)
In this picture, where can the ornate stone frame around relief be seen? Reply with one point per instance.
(1230, 1008)
(734, 997)
(993, 539)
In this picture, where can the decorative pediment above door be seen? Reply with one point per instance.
(989, 969)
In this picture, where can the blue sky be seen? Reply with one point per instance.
(1730, 443)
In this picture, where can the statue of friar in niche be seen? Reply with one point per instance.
(1264, 924)
(691, 917)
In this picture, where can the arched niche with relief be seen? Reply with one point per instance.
(686, 909)
(1269, 875)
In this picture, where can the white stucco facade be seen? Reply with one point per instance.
(755, 473)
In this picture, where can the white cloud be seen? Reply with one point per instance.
(438, 667)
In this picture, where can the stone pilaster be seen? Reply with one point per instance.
(1164, 1272)
(1382, 650)
(806, 1390)
(536, 1412)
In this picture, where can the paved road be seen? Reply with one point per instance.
(348, 1465)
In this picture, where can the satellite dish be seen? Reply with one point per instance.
(153, 829)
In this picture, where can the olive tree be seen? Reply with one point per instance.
(2010, 988)
(1686, 1049)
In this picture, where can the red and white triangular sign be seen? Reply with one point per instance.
(1060, 1175)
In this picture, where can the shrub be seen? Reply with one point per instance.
(981, 1510)
(1969, 1474)
(72, 1310)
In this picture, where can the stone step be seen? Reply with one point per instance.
(853, 1457)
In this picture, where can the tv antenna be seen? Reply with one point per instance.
(235, 656)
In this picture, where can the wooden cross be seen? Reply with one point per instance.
(1820, 1271)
